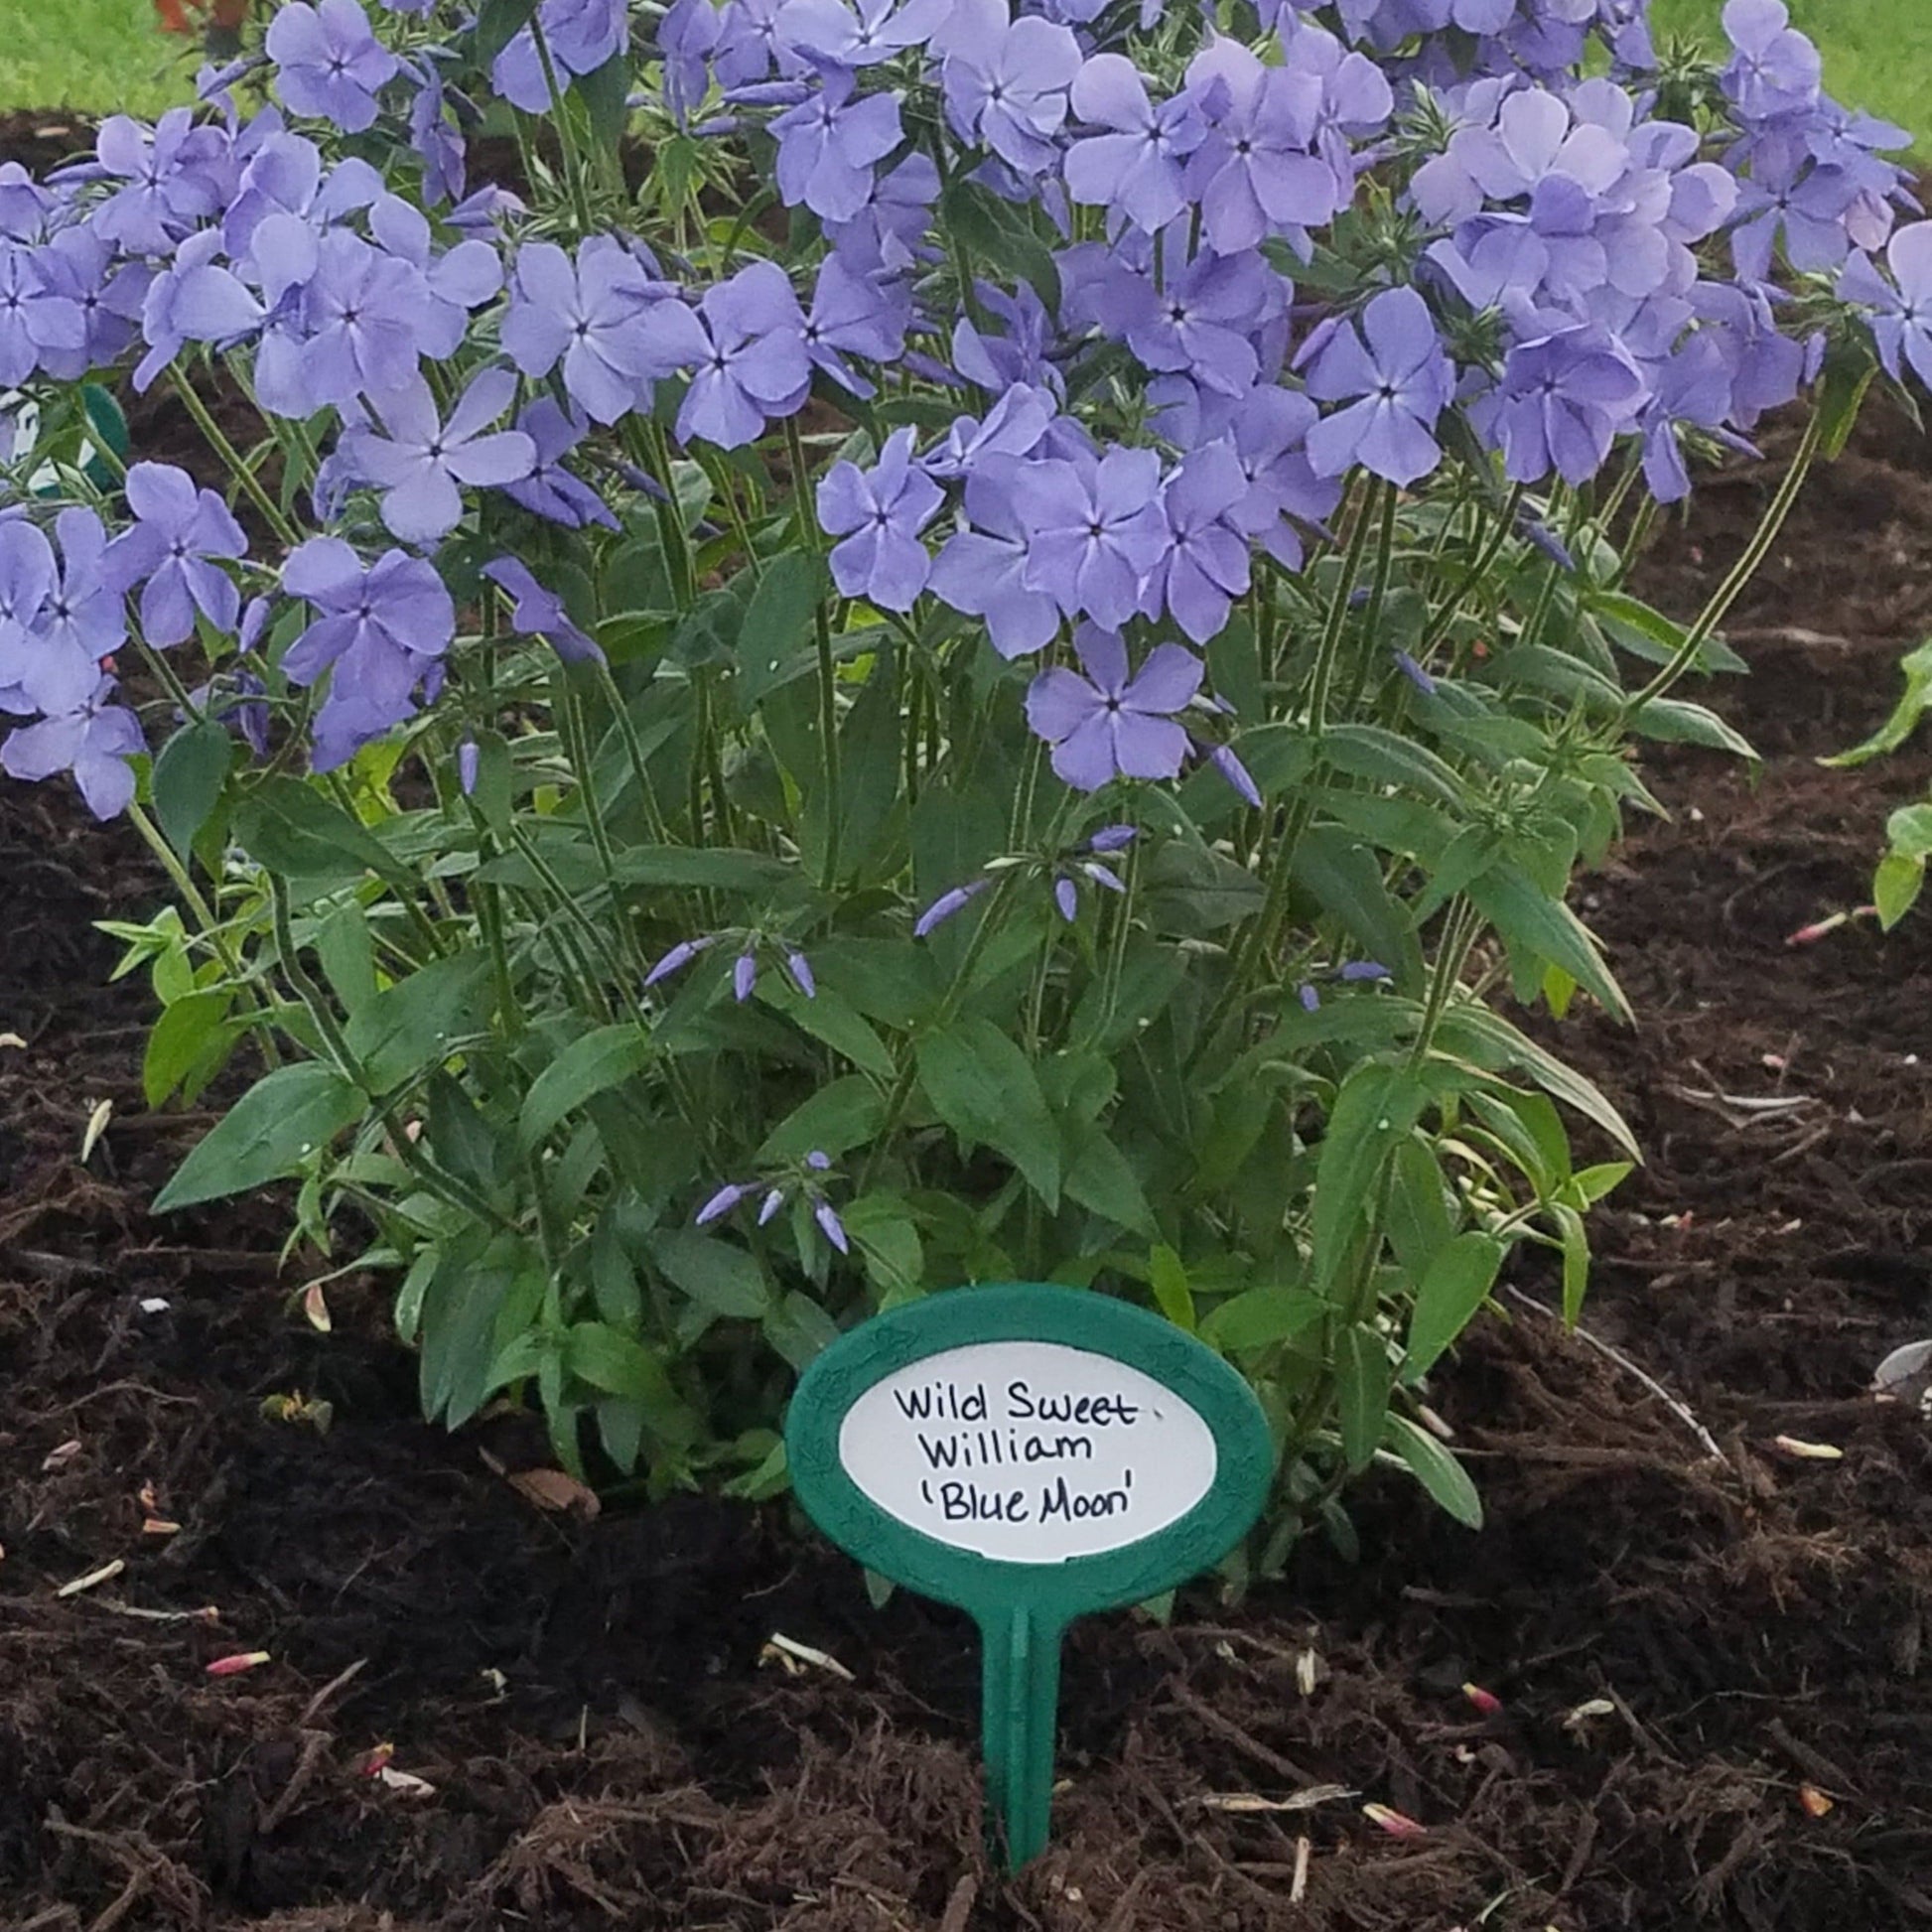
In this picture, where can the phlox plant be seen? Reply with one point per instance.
(924, 643)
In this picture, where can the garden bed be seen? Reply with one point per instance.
(587, 1701)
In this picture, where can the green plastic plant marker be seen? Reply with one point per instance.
(1029, 1454)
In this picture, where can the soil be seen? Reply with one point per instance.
(1713, 1694)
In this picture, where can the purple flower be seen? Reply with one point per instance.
(1901, 316)
(93, 740)
(468, 764)
(1776, 69)
(34, 676)
(1559, 405)
(1354, 971)
(1240, 779)
(1007, 87)
(177, 531)
(33, 319)
(827, 146)
(1206, 565)
(721, 1202)
(754, 365)
(1013, 427)
(614, 329)
(328, 61)
(550, 491)
(57, 653)
(80, 271)
(538, 613)
(880, 512)
(1135, 169)
(1113, 838)
(1256, 175)
(942, 909)
(364, 310)
(1202, 316)
(173, 176)
(433, 137)
(1094, 530)
(800, 969)
(844, 38)
(983, 571)
(420, 463)
(378, 630)
(744, 975)
(1103, 724)
(582, 34)
(1415, 673)
(854, 314)
(831, 1226)
(679, 957)
(1404, 382)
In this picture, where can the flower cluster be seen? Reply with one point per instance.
(1554, 298)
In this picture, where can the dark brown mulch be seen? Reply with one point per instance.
(1680, 1647)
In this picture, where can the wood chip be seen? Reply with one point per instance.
(795, 1656)
(104, 1575)
(315, 1304)
(1397, 1824)
(1815, 1802)
(1253, 1801)
(236, 1665)
(1298, 1886)
(61, 1457)
(553, 1490)
(1809, 1451)
(97, 1126)
(406, 1784)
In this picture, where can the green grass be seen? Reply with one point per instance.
(91, 56)
(1878, 53)
(95, 56)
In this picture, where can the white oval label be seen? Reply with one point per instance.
(1028, 1451)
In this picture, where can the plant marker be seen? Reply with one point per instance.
(1029, 1454)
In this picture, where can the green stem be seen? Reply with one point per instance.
(580, 201)
(1439, 625)
(1740, 574)
(218, 441)
(446, 1186)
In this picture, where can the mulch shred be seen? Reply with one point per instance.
(1714, 1686)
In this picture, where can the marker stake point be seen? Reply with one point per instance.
(1030, 1454)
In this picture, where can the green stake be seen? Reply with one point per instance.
(1030, 1454)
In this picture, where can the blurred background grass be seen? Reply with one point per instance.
(97, 55)
(92, 57)
(1878, 53)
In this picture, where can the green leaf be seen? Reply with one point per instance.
(270, 1133)
(1486, 1037)
(709, 867)
(605, 92)
(1445, 1479)
(417, 1021)
(799, 1331)
(1363, 1377)
(1099, 1178)
(499, 21)
(1895, 887)
(1418, 1220)
(1646, 634)
(1910, 708)
(189, 773)
(1576, 1259)
(776, 643)
(1671, 721)
(303, 837)
(610, 1360)
(1909, 830)
(721, 1278)
(827, 1016)
(1374, 1110)
(588, 1066)
(882, 1227)
(1387, 757)
(189, 1044)
(343, 944)
(984, 1088)
(1260, 1316)
(1193, 890)
(1168, 1277)
(1457, 1283)
(1344, 877)
(1530, 921)
(834, 1120)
